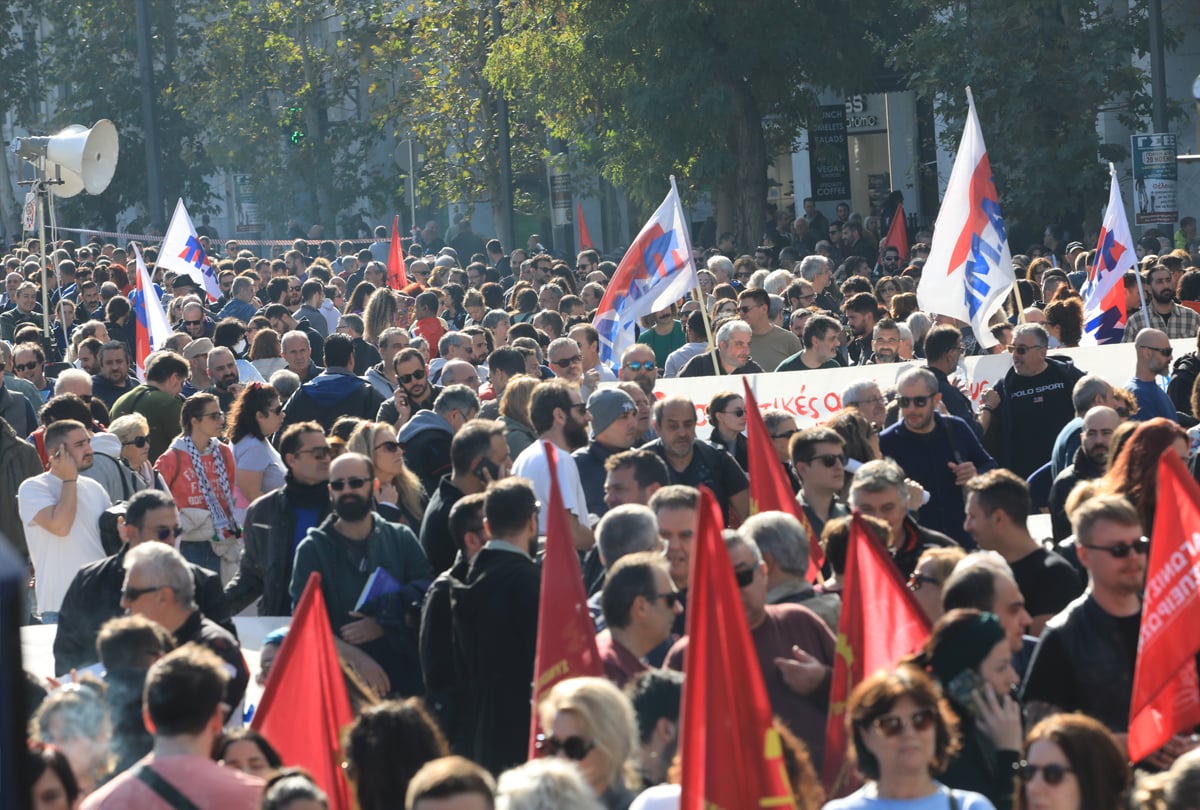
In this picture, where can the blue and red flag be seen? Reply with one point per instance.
(1103, 293)
(182, 252)
(656, 272)
(969, 271)
(152, 329)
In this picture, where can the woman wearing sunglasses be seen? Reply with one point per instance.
(133, 431)
(398, 492)
(200, 473)
(256, 414)
(969, 654)
(903, 734)
(727, 414)
(1072, 762)
(591, 722)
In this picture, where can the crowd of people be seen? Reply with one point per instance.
(315, 419)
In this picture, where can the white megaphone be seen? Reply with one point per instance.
(83, 159)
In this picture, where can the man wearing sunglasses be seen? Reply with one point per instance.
(346, 551)
(277, 521)
(819, 458)
(638, 365)
(770, 345)
(938, 451)
(640, 604)
(413, 377)
(1153, 359)
(94, 595)
(1084, 660)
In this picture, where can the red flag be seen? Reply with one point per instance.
(769, 487)
(881, 622)
(397, 277)
(304, 706)
(1166, 694)
(897, 235)
(566, 642)
(732, 757)
(585, 238)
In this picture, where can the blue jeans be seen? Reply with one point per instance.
(49, 617)
(201, 553)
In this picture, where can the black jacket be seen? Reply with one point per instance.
(1183, 376)
(956, 401)
(1002, 434)
(435, 526)
(442, 690)
(494, 613)
(334, 393)
(590, 463)
(266, 565)
(94, 597)
(1080, 469)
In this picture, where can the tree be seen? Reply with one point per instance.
(1042, 75)
(705, 90)
(16, 54)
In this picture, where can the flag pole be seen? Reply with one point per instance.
(1137, 273)
(698, 296)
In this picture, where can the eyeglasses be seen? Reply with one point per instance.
(1167, 352)
(193, 323)
(670, 597)
(134, 594)
(639, 365)
(30, 366)
(891, 725)
(736, 413)
(744, 576)
(744, 310)
(405, 379)
(917, 580)
(318, 453)
(787, 434)
(391, 447)
(1122, 550)
(138, 442)
(919, 402)
(354, 483)
(1013, 348)
(164, 533)
(575, 748)
(1052, 773)
(213, 415)
(567, 362)
(583, 268)
(830, 460)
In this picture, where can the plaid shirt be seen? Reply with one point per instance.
(1183, 323)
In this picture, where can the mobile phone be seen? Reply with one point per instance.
(490, 467)
(963, 686)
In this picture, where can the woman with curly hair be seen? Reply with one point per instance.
(1064, 319)
(386, 746)
(397, 489)
(256, 414)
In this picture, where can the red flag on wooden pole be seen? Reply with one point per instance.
(585, 238)
(1166, 695)
(769, 487)
(881, 622)
(397, 276)
(305, 707)
(566, 641)
(732, 757)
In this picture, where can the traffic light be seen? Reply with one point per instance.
(293, 124)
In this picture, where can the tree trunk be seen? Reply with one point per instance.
(10, 213)
(749, 149)
(318, 150)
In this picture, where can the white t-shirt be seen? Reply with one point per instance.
(57, 559)
(532, 464)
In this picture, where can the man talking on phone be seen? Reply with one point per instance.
(478, 456)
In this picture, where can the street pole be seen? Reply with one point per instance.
(506, 186)
(154, 193)
(1158, 77)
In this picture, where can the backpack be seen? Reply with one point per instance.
(110, 532)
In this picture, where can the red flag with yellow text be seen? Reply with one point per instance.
(304, 706)
(732, 757)
(769, 487)
(397, 276)
(566, 640)
(881, 622)
(1166, 693)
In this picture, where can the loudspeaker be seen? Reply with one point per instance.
(83, 159)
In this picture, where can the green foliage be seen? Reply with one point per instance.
(1041, 74)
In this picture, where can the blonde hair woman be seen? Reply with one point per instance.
(397, 490)
(514, 413)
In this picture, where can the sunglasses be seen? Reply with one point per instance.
(317, 452)
(1052, 773)
(744, 310)
(134, 594)
(671, 598)
(574, 748)
(737, 413)
(830, 460)
(30, 366)
(787, 434)
(919, 402)
(1122, 550)
(640, 365)
(1167, 352)
(391, 447)
(1021, 350)
(917, 580)
(891, 725)
(164, 533)
(193, 323)
(744, 576)
(354, 483)
(405, 379)
(213, 415)
(139, 442)
(567, 362)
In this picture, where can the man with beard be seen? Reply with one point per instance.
(885, 342)
(559, 416)
(61, 513)
(113, 380)
(940, 452)
(733, 353)
(691, 462)
(223, 373)
(638, 365)
(1090, 461)
(346, 551)
(1161, 311)
(862, 312)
